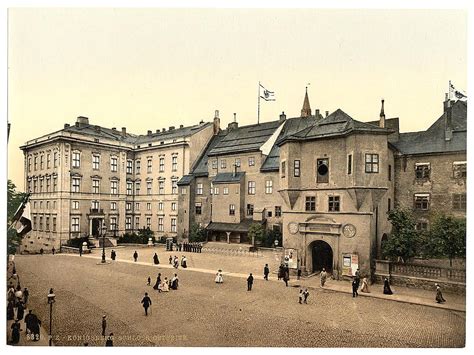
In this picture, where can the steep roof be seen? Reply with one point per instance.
(433, 139)
(200, 166)
(245, 139)
(228, 177)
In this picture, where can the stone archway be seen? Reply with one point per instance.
(322, 256)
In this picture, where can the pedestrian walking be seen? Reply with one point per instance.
(146, 301)
(113, 254)
(148, 281)
(249, 282)
(28, 322)
(80, 250)
(266, 271)
(439, 294)
(357, 277)
(135, 256)
(171, 260)
(41, 251)
(305, 295)
(26, 294)
(104, 324)
(365, 285)
(110, 340)
(180, 246)
(53, 250)
(219, 279)
(156, 261)
(323, 276)
(15, 332)
(158, 283)
(286, 276)
(300, 297)
(20, 311)
(10, 311)
(386, 287)
(184, 262)
(354, 288)
(176, 262)
(280, 271)
(33, 324)
(174, 282)
(298, 273)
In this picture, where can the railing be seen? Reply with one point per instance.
(421, 271)
(97, 210)
(232, 252)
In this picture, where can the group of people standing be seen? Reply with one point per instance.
(283, 273)
(190, 247)
(164, 285)
(175, 261)
(356, 284)
(17, 301)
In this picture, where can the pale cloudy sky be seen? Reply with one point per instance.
(153, 68)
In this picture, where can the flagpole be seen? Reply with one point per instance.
(449, 94)
(258, 109)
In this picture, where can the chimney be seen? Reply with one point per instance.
(148, 133)
(124, 131)
(66, 125)
(157, 131)
(316, 113)
(216, 123)
(327, 113)
(171, 128)
(97, 128)
(181, 126)
(163, 130)
(282, 117)
(114, 129)
(382, 116)
(448, 131)
(234, 172)
(82, 121)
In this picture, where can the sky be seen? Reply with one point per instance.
(154, 68)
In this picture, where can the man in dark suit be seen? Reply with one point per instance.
(146, 301)
(249, 282)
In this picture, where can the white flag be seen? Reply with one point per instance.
(267, 95)
(458, 94)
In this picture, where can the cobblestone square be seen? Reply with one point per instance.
(203, 313)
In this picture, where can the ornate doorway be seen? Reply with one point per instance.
(322, 256)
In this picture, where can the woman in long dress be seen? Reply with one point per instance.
(219, 279)
(174, 282)
(365, 285)
(323, 276)
(184, 262)
(158, 283)
(386, 287)
(439, 295)
(156, 261)
(164, 285)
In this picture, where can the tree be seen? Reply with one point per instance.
(14, 199)
(197, 233)
(256, 232)
(447, 238)
(404, 240)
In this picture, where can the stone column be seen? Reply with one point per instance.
(228, 237)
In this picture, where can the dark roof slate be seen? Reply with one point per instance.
(185, 180)
(241, 227)
(228, 177)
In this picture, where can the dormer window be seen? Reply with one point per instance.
(422, 171)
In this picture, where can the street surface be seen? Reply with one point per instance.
(202, 313)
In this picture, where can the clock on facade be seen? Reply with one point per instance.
(349, 230)
(293, 227)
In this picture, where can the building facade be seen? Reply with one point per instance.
(325, 182)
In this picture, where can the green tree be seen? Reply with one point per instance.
(256, 232)
(197, 233)
(447, 238)
(14, 199)
(404, 240)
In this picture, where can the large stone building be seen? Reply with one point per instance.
(326, 182)
(85, 177)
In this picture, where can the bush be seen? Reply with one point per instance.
(77, 242)
(197, 233)
(404, 241)
(257, 233)
(270, 237)
(137, 238)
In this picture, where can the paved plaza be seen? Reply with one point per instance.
(202, 313)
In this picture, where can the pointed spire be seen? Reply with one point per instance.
(306, 110)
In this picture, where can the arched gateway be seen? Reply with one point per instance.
(322, 256)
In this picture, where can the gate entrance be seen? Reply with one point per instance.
(322, 256)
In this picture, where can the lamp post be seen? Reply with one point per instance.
(103, 230)
(51, 296)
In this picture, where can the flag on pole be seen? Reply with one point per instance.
(22, 218)
(458, 94)
(267, 95)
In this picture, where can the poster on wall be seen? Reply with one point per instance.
(350, 263)
(291, 258)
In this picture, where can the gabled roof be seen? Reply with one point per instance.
(433, 139)
(337, 123)
(185, 180)
(200, 166)
(245, 139)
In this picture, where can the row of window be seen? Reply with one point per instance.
(76, 163)
(75, 223)
(114, 186)
(423, 170)
(38, 162)
(48, 226)
(46, 184)
(334, 203)
(237, 163)
(95, 205)
(421, 202)
(250, 209)
(251, 188)
(47, 205)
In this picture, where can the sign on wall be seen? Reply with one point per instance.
(350, 263)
